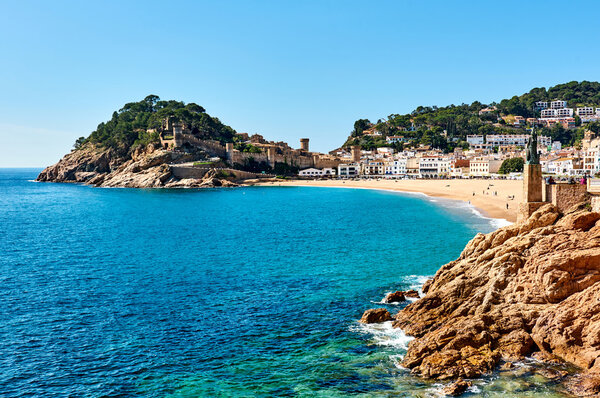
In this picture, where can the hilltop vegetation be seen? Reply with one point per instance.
(426, 124)
(128, 127)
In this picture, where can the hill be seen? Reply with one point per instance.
(447, 127)
(126, 150)
(138, 123)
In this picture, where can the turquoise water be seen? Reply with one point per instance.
(216, 292)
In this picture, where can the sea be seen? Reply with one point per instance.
(238, 292)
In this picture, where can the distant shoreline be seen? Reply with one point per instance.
(490, 201)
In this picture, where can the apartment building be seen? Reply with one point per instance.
(373, 168)
(585, 111)
(349, 170)
(475, 140)
(515, 139)
(558, 104)
(481, 167)
(428, 166)
(396, 167)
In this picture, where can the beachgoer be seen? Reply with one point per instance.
(507, 206)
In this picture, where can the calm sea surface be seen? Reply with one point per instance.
(217, 292)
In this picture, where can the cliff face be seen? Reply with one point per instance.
(142, 168)
(526, 289)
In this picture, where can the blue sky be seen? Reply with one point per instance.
(283, 69)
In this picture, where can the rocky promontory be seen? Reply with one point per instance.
(529, 289)
(143, 167)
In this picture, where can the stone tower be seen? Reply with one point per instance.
(532, 182)
(304, 144)
(355, 153)
(229, 152)
(271, 156)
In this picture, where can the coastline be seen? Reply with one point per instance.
(478, 193)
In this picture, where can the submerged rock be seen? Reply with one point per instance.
(586, 385)
(376, 315)
(525, 288)
(457, 388)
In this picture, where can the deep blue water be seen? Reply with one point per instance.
(217, 292)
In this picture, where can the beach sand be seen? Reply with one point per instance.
(480, 193)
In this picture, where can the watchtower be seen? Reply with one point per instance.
(271, 156)
(355, 149)
(304, 144)
(229, 152)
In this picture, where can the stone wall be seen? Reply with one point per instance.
(595, 200)
(182, 172)
(564, 196)
(188, 172)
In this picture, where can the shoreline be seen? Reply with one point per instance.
(477, 193)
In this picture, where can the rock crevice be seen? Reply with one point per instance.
(525, 288)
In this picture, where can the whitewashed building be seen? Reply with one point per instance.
(349, 170)
(558, 166)
(312, 172)
(585, 111)
(475, 140)
(396, 167)
(480, 167)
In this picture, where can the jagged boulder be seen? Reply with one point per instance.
(394, 297)
(523, 289)
(457, 388)
(376, 315)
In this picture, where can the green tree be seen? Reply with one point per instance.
(359, 126)
(79, 142)
(512, 165)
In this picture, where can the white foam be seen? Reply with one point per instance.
(416, 283)
(384, 334)
(474, 389)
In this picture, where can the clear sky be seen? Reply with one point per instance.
(284, 69)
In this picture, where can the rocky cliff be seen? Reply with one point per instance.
(530, 289)
(141, 168)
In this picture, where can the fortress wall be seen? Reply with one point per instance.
(182, 172)
(188, 172)
(241, 157)
(331, 163)
(564, 196)
(301, 161)
(215, 148)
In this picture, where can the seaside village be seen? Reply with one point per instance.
(484, 156)
(482, 159)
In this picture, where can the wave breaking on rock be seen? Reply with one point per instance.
(526, 289)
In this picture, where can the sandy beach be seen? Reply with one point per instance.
(490, 197)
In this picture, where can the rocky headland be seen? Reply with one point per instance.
(526, 290)
(143, 167)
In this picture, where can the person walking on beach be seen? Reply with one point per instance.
(507, 206)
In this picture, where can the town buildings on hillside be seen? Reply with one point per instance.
(483, 159)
